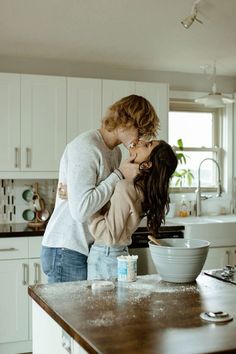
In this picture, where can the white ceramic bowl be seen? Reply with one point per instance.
(179, 260)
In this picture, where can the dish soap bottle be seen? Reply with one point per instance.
(183, 212)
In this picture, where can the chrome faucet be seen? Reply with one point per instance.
(199, 197)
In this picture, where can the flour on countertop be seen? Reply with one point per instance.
(148, 289)
(153, 284)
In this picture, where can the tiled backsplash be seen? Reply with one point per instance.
(12, 204)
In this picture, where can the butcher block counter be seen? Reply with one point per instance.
(147, 316)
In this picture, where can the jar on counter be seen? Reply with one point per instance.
(183, 211)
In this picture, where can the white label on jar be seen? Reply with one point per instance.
(127, 268)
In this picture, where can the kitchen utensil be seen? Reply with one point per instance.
(154, 240)
(27, 195)
(38, 202)
(42, 215)
(28, 215)
(218, 316)
(179, 260)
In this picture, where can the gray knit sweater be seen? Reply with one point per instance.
(86, 167)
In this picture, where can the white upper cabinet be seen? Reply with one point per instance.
(156, 93)
(39, 114)
(9, 122)
(114, 90)
(33, 125)
(43, 122)
(83, 105)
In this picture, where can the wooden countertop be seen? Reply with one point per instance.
(148, 316)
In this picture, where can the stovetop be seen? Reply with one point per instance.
(228, 274)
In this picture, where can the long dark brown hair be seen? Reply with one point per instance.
(154, 183)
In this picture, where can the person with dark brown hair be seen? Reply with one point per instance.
(146, 195)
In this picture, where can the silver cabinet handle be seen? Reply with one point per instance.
(28, 157)
(8, 249)
(25, 274)
(17, 160)
(36, 273)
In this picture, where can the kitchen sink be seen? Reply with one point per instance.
(219, 230)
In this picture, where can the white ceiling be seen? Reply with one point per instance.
(137, 34)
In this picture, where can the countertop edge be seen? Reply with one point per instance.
(58, 319)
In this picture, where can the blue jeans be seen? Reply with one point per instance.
(102, 261)
(62, 264)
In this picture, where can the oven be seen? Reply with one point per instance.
(140, 246)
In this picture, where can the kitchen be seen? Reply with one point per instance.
(51, 52)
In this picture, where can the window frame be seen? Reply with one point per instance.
(183, 105)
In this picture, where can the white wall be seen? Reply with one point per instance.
(177, 80)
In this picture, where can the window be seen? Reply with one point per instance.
(198, 127)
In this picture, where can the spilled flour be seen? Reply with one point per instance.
(143, 299)
(153, 283)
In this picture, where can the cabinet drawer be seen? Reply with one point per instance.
(35, 246)
(13, 248)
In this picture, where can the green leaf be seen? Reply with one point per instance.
(180, 144)
(183, 174)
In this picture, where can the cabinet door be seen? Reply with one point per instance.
(233, 262)
(114, 90)
(158, 95)
(14, 300)
(9, 122)
(47, 334)
(36, 276)
(43, 122)
(218, 257)
(83, 105)
(77, 349)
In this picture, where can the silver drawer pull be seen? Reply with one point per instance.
(8, 249)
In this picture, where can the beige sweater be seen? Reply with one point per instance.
(117, 224)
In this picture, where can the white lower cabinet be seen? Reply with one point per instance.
(19, 267)
(14, 302)
(48, 336)
(218, 257)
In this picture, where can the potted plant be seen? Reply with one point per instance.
(182, 176)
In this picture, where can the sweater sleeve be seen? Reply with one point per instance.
(85, 195)
(121, 220)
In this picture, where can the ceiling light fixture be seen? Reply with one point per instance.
(188, 21)
(214, 99)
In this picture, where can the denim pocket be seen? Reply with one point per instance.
(48, 256)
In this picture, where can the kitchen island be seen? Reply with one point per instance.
(147, 316)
